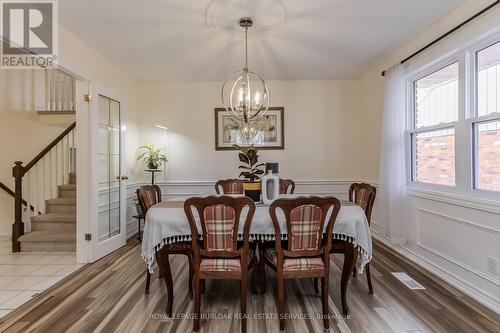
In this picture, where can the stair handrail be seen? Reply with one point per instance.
(51, 145)
(12, 194)
(18, 172)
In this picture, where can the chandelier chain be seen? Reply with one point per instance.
(246, 48)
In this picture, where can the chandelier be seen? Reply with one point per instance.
(245, 93)
(248, 131)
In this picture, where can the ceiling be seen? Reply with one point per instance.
(321, 39)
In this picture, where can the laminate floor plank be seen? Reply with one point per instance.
(108, 296)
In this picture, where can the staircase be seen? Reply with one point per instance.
(46, 187)
(56, 229)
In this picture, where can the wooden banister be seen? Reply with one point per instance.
(12, 194)
(18, 225)
(49, 147)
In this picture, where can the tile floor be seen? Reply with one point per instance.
(24, 275)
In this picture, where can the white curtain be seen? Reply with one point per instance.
(392, 160)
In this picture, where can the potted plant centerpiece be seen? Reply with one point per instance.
(151, 156)
(251, 171)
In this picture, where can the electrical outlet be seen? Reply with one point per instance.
(492, 265)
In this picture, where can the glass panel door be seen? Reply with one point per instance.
(108, 170)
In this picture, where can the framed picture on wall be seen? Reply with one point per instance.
(270, 130)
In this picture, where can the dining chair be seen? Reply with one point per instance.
(363, 195)
(219, 257)
(229, 186)
(148, 196)
(306, 253)
(285, 184)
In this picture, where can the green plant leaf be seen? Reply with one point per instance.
(260, 165)
(243, 158)
(152, 156)
(245, 174)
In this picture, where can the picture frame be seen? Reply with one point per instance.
(271, 135)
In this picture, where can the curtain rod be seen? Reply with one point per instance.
(448, 33)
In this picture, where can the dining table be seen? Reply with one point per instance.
(166, 223)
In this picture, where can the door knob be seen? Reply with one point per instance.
(124, 177)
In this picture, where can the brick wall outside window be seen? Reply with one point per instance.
(488, 143)
(435, 159)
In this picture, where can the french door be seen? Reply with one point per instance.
(105, 228)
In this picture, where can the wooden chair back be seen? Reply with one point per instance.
(363, 195)
(285, 184)
(229, 186)
(219, 218)
(148, 196)
(305, 221)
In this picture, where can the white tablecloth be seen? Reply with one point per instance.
(167, 223)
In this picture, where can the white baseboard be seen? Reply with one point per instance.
(131, 228)
(442, 273)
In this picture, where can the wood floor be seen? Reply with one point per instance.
(108, 296)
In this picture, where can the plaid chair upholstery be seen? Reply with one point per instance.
(149, 199)
(219, 222)
(287, 186)
(148, 196)
(223, 264)
(233, 188)
(295, 264)
(362, 198)
(305, 222)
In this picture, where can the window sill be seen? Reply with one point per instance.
(467, 201)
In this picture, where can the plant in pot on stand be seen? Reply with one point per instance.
(152, 158)
(251, 171)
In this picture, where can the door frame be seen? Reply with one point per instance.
(87, 162)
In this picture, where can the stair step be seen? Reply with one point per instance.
(54, 222)
(54, 218)
(72, 178)
(67, 191)
(44, 240)
(61, 205)
(67, 187)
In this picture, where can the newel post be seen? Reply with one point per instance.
(18, 225)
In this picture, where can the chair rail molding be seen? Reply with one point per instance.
(182, 188)
(460, 221)
(472, 202)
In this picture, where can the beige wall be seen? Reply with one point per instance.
(22, 136)
(322, 133)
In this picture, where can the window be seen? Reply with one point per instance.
(487, 143)
(436, 97)
(454, 122)
(435, 104)
(435, 157)
(488, 80)
(486, 123)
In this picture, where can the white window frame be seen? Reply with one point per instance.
(465, 159)
(473, 118)
(412, 130)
